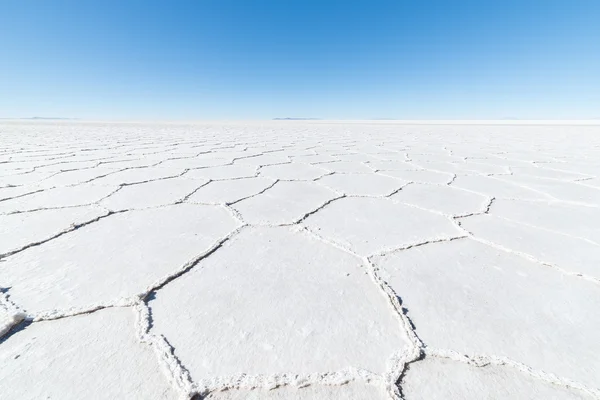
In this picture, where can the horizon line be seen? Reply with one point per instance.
(392, 121)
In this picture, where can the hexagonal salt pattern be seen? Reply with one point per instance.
(362, 184)
(117, 257)
(420, 176)
(59, 197)
(85, 356)
(77, 176)
(559, 189)
(549, 247)
(455, 380)
(475, 299)
(222, 172)
(22, 230)
(310, 308)
(442, 198)
(230, 191)
(346, 167)
(371, 225)
(152, 194)
(568, 219)
(299, 260)
(495, 187)
(136, 175)
(292, 171)
(284, 203)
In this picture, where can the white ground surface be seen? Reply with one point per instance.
(299, 260)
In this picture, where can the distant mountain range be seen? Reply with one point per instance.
(47, 118)
(295, 119)
(41, 118)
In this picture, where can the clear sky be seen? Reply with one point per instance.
(253, 59)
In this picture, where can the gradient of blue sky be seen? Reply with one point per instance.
(222, 59)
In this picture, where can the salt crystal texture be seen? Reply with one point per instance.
(300, 260)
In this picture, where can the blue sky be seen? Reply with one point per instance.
(253, 59)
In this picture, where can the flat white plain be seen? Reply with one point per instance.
(300, 260)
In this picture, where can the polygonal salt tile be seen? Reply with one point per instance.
(584, 168)
(68, 166)
(13, 168)
(331, 150)
(71, 196)
(151, 194)
(421, 176)
(21, 179)
(87, 356)
(264, 159)
(390, 155)
(441, 379)
(202, 161)
(494, 187)
(292, 152)
(137, 175)
(355, 157)
(368, 225)
(284, 203)
(390, 165)
(362, 184)
(503, 162)
(27, 168)
(228, 147)
(118, 256)
(348, 391)
(483, 168)
(531, 156)
(445, 199)
(444, 167)
(222, 172)
(436, 156)
(156, 151)
(313, 158)
(567, 191)
(274, 300)
(469, 297)
(230, 191)
(123, 162)
(20, 230)
(542, 172)
(293, 171)
(396, 146)
(346, 167)
(10, 192)
(567, 252)
(574, 220)
(76, 176)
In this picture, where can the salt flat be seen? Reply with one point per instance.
(299, 260)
